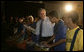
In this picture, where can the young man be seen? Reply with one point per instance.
(71, 20)
(59, 33)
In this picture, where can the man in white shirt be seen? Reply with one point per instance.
(44, 28)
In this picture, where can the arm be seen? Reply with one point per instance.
(58, 43)
(46, 42)
(37, 28)
(52, 38)
(62, 35)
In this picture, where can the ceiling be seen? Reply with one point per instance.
(52, 2)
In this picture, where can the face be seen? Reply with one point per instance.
(30, 19)
(66, 21)
(52, 19)
(20, 20)
(42, 14)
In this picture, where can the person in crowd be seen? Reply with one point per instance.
(29, 22)
(15, 25)
(16, 19)
(59, 33)
(74, 36)
(44, 28)
(11, 20)
(34, 26)
(21, 30)
(34, 22)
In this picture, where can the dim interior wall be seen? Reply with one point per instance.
(2, 8)
(78, 6)
(19, 8)
(80, 11)
(50, 6)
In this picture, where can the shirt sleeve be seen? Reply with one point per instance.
(37, 28)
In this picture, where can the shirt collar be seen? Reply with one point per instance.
(73, 29)
(44, 18)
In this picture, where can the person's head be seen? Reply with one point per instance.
(31, 18)
(71, 18)
(53, 15)
(20, 20)
(42, 13)
(11, 18)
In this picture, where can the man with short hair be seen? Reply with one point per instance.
(44, 28)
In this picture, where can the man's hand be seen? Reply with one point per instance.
(43, 42)
(48, 45)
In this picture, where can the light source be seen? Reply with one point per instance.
(68, 8)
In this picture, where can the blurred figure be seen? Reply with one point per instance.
(15, 25)
(27, 17)
(34, 22)
(33, 25)
(16, 19)
(74, 36)
(59, 33)
(31, 37)
(44, 28)
(11, 20)
(21, 30)
(31, 19)
(29, 22)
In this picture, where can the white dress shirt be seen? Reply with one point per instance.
(47, 28)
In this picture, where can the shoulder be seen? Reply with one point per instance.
(38, 22)
(61, 23)
(80, 34)
(80, 31)
(47, 18)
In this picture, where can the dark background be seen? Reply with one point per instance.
(15, 9)
(19, 8)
